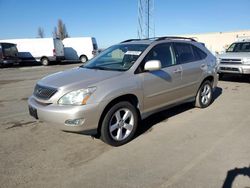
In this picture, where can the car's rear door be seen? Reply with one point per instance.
(193, 65)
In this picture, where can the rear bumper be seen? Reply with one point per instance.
(234, 68)
(58, 115)
(8, 62)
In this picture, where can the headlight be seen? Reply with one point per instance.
(246, 60)
(78, 97)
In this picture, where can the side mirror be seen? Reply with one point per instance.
(152, 65)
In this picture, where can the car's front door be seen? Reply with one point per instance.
(160, 87)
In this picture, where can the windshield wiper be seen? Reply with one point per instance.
(102, 68)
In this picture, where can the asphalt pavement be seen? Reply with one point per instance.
(180, 147)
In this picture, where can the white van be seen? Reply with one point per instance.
(43, 50)
(80, 48)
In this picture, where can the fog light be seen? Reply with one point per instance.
(74, 122)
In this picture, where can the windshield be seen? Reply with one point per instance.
(239, 47)
(118, 57)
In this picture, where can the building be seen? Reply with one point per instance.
(220, 41)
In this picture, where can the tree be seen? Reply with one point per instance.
(60, 31)
(40, 32)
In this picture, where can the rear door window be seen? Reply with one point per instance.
(184, 53)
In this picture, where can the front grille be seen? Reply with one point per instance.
(229, 69)
(230, 61)
(44, 92)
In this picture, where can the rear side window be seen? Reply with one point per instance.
(199, 54)
(184, 53)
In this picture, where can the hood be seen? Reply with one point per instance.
(77, 78)
(235, 55)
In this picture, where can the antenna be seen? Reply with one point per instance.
(146, 28)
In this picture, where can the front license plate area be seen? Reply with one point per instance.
(33, 112)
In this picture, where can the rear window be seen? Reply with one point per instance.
(9, 50)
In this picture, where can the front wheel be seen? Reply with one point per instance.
(204, 95)
(119, 124)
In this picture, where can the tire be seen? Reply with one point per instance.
(83, 59)
(119, 124)
(204, 95)
(45, 61)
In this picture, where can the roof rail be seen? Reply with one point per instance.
(129, 40)
(161, 38)
(174, 37)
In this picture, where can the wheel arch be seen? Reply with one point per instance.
(44, 57)
(133, 99)
(209, 78)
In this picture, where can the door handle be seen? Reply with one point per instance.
(203, 66)
(177, 71)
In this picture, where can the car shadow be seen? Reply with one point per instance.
(236, 78)
(147, 124)
(233, 173)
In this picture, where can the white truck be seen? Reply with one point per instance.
(44, 50)
(80, 48)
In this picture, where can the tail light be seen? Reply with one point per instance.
(54, 52)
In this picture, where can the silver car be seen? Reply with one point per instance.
(236, 60)
(124, 84)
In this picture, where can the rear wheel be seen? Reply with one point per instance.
(204, 95)
(119, 124)
(83, 59)
(45, 61)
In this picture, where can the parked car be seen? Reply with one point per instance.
(124, 84)
(44, 50)
(80, 48)
(8, 54)
(236, 60)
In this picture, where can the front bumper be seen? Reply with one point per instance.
(234, 68)
(59, 114)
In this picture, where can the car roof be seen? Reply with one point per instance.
(158, 39)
